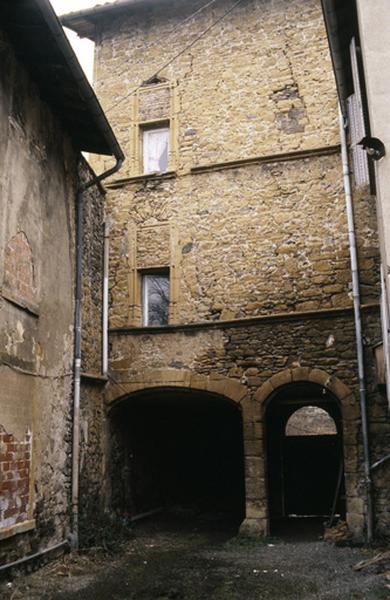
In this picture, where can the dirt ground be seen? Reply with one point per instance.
(173, 559)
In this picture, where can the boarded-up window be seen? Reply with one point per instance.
(154, 104)
(19, 274)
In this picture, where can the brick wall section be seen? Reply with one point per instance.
(15, 463)
(19, 269)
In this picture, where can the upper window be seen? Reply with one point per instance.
(155, 149)
(155, 299)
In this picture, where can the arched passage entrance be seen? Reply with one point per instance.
(177, 447)
(304, 453)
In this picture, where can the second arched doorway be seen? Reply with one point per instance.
(304, 456)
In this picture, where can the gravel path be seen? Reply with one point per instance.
(197, 562)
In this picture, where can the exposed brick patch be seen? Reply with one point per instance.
(19, 269)
(15, 464)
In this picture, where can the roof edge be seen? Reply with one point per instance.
(83, 21)
(52, 21)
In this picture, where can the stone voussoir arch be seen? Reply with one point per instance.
(310, 375)
(173, 378)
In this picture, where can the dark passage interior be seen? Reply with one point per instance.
(173, 448)
(304, 458)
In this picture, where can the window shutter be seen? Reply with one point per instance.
(356, 123)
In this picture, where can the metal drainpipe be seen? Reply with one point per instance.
(105, 299)
(74, 536)
(385, 332)
(25, 559)
(358, 327)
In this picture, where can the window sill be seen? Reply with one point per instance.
(18, 528)
(29, 307)
(143, 177)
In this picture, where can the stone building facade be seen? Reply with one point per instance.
(246, 220)
(41, 172)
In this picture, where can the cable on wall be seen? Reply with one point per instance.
(187, 47)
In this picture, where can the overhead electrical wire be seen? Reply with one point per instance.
(164, 66)
(187, 47)
(159, 41)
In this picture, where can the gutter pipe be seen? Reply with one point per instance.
(380, 462)
(358, 328)
(385, 332)
(74, 536)
(25, 559)
(103, 125)
(105, 299)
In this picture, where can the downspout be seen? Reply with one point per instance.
(358, 327)
(74, 536)
(105, 299)
(22, 561)
(385, 332)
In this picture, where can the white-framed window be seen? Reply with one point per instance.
(155, 298)
(155, 143)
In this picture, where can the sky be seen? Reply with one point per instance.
(82, 47)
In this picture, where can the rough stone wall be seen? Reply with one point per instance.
(244, 241)
(246, 229)
(38, 182)
(253, 355)
(256, 84)
(251, 240)
(92, 283)
(92, 424)
(92, 455)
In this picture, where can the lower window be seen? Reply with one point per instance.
(155, 298)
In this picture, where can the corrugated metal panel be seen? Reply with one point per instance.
(356, 131)
(356, 123)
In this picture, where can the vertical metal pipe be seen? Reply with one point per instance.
(358, 327)
(385, 332)
(77, 371)
(105, 299)
(77, 353)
